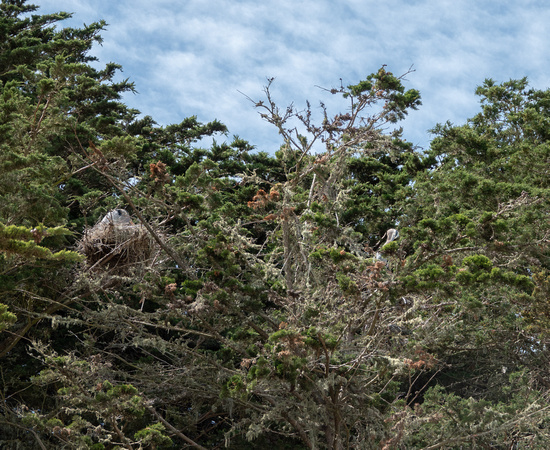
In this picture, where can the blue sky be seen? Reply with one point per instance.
(196, 57)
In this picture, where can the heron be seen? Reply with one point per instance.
(117, 217)
(391, 235)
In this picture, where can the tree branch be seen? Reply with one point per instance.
(174, 430)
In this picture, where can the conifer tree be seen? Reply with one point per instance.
(476, 236)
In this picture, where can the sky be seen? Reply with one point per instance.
(208, 58)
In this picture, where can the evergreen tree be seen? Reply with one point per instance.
(476, 234)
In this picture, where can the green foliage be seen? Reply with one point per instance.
(154, 436)
(6, 317)
(16, 240)
(452, 420)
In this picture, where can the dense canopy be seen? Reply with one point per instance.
(251, 300)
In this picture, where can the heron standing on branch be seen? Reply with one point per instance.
(391, 235)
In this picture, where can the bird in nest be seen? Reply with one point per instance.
(117, 217)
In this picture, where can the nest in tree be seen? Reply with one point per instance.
(117, 245)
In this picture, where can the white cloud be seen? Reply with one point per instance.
(193, 57)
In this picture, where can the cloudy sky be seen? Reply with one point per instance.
(197, 57)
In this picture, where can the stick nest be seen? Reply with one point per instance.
(118, 247)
